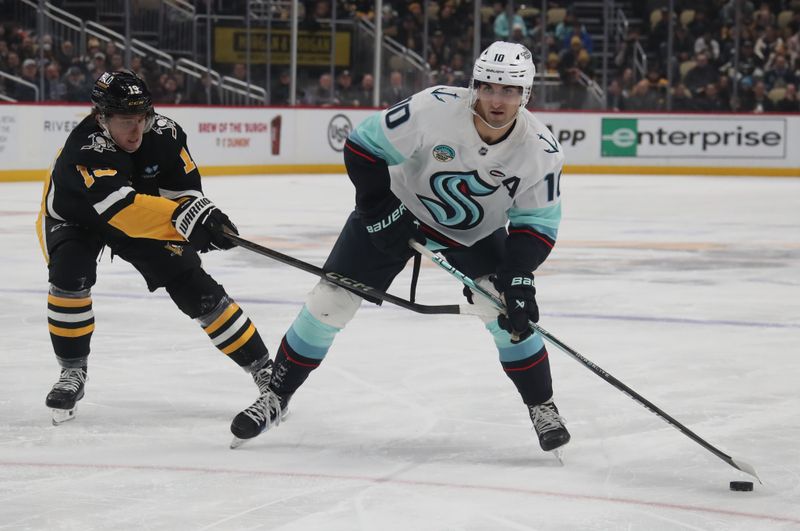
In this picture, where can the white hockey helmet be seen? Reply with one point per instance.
(504, 63)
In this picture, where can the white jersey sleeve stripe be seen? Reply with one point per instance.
(112, 198)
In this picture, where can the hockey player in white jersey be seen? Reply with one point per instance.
(470, 173)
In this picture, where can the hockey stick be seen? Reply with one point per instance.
(360, 289)
(500, 306)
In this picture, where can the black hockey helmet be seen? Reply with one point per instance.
(121, 92)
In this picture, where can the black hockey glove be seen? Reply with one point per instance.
(518, 292)
(203, 224)
(391, 226)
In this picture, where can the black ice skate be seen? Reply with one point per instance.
(549, 426)
(66, 392)
(266, 412)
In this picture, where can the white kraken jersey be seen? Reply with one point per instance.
(456, 183)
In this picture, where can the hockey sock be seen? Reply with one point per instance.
(309, 336)
(234, 334)
(525, 363)
(70, 320)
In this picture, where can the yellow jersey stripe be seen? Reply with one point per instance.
(71, 332)
(241, 341)
(148, 217)
(222, 319)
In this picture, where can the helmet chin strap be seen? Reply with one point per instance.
(490, 126)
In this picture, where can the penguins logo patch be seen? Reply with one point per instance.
(162, 123)
(99, 143)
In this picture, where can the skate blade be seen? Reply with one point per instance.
(558, 453)
(237, 442)
(60, 416)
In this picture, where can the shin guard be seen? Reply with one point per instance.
(70, 320)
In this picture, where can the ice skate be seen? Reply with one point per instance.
(266, 412)
(550, 429)
(66, 392)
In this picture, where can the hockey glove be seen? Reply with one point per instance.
(518, 292)
(391, 226)
(203, 224)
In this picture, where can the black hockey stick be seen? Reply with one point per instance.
(498, 304)
(360, 289)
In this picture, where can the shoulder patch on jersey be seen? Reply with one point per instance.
(440, 93)
(444, 153)
(99, 143)
(552, 143)
(162, 123)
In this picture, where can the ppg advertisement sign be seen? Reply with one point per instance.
(678, 137)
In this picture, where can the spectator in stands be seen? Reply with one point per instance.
(205, 93)
(92, 49)
(708, 45)
(764, 17)
(239, 71)
(449, 24)
(780, 74)
(439, 46)
(749, 65)
(13, 64)
(30, 73)
(137, 67)
(700, 23)
(759, 102)
(502, 27)
(568, 57)
(628, 81)
(409, 33)
(116, 62)
(768, 44)
(345, 92)
(459, 77)
(518, 36)
(66, 55)
(98, 66)
(76, 88)
(789, 103)
(363, 96)
(709, 101)
(624, 54)
(682, 99)
(573, 93)
(584, 63)
(728, 11)
(169, 92)
(54, 88)
(642, 98)
(683, 45)
(281, 89)
(615, 101)
(396, 90)
(700, 75)
(322, 94)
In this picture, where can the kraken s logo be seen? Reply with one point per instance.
(456, 207)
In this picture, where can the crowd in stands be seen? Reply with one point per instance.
(707, 75)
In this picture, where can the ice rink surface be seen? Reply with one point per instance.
(686, 289)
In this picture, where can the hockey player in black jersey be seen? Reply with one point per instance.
(125, 180)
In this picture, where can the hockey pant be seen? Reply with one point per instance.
(329, 308)
(72, 253)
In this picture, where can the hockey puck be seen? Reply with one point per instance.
(744, 486)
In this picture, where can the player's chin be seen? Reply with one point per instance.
(130, 147)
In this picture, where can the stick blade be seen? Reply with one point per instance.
(747, 468)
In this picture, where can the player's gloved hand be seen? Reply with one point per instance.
(518, 292)
(391, 226)
(203, 224)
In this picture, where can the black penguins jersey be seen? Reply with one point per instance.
(94, 183)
